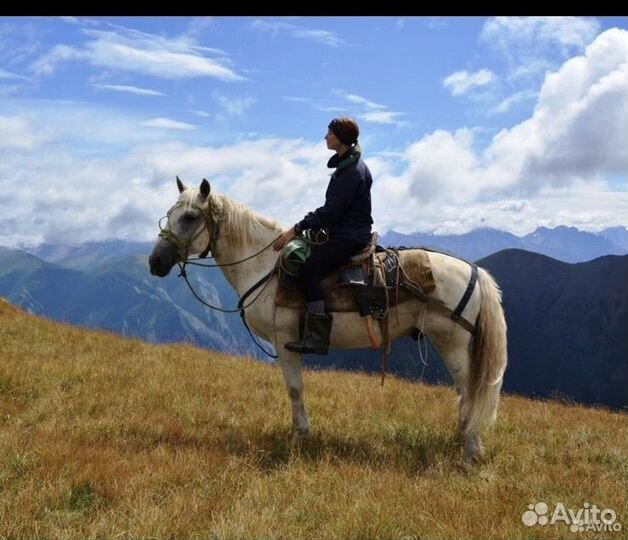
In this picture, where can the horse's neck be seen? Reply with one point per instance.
(242, 276)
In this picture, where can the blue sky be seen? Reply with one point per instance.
(511, 123)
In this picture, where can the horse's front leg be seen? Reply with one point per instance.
(293, 376)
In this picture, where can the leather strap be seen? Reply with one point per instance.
(438, 306)
(467, 293)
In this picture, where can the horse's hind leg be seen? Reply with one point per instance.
(293, 376)
(456, 353)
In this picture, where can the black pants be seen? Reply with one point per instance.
(324, 259)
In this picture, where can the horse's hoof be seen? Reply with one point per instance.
(474, 458)
(299, 435)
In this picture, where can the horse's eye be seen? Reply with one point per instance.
(189, 217)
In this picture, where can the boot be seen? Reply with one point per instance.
(315, 335)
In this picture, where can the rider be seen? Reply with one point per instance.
(347, 216)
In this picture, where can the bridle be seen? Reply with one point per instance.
(210, 224)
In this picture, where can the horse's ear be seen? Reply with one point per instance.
(205, 189)
(180, 185)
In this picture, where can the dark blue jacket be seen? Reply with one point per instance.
(347, 209)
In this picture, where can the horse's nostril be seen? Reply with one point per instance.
(153, 262)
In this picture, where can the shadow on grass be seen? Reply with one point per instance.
(410, 450)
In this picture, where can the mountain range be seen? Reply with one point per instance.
(120, 295)
(566, 244)
(566, 321)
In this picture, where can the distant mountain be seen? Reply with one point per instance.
(563, 243)
(120, 295)
(89, 254)
(569, 244)
(471, 246)
(12, 259)
(617, 235)
(567, 326)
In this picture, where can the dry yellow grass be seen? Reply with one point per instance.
(108, 437)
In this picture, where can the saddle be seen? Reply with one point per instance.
(369, 282)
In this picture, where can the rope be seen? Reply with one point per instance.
(241, 306)
(234, 263)
(422, 350)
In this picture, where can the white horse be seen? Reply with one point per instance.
(201, 221)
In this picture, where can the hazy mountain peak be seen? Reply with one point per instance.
(618, 235)
(563, 243)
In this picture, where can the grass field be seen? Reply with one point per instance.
(104, 437)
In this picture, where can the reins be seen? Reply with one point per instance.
(183, 247)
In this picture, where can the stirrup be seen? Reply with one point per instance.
(315, 335)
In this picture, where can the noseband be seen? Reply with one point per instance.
(210, 224)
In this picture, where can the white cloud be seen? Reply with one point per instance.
(235, 106)
(579, 128)
(436, 23)
(20, 40)
(126, 50)
(373, 112)
(282, 179)
(69, 199)
(442, 166)
(18, 132)
(589, 207)
(167, 123)
(77, 198)
(130, 89)
(359, 100)
(383, 117)
(512, 34)
(323, 37)
(533, 45)
(461, 82)
(86, 128)
(70, 20)
(508, 103)
(320, 36)
(8, 75)
(201, 113)
(199, 26)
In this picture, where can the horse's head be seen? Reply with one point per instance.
(186, 231)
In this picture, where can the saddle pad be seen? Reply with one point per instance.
(415, 262)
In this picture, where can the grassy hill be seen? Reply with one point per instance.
(108, 437)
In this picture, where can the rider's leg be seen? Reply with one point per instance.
(317, 323)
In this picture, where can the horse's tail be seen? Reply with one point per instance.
(488, 358)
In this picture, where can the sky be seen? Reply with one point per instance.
(465, 122)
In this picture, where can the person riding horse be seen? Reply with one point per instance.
(346, 215)
(475, 354)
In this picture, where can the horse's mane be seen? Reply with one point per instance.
(238, 222)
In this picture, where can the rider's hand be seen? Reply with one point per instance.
(284, 239)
